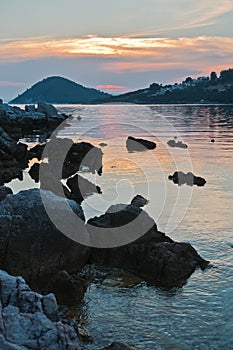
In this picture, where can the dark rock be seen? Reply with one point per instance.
(12, 116)
(85, 154)
(7, 161)
(4, 191)
(34, 172)
(178, 144)
(47, 109)
(139, 201)
(69, 157)
(29, 320)
(8, 174)
(152, 255)
(69, 289)
(81, 188)
(212, 140)
(8, 145)
(12, 148)
(30, 244)
(1, 101)
(190, 179)
(103, 144)
(30, 108)
(139, 145)
(118, 346)
(36, 151)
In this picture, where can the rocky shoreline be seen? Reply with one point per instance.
(33, 247)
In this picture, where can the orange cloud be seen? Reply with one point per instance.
(112, 87)
(129, 54)
(11, 83)
(114, 47)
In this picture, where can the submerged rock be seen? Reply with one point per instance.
(29, 320)
(139, 145)
(189, 179)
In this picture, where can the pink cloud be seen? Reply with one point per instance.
(11, 83)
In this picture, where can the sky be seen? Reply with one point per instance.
(115, 46)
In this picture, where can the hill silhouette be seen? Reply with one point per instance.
(59, 90)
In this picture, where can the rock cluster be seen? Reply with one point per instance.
(44, 116)
(29, 320)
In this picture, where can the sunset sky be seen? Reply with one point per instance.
(115, 46)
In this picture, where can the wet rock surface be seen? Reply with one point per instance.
(29, 320)
(139, 145)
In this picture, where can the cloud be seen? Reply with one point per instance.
(11, 83)
(114, 47)
(113, 89)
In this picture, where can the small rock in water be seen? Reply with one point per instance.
(189, 179)
(102, 144)
(212, 140)
(139, 145)
(178, 144)
(139, 201)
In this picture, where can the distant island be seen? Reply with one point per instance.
(205, 89)
(210, 89)
(59, 90)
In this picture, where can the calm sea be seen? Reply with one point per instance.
(199, 315)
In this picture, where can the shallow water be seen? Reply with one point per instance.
(199, 315)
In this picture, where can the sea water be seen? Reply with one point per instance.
(198, 315)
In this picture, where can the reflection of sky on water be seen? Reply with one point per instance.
(198, 316)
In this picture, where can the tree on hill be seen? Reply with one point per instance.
(226, 76)
(213, 76)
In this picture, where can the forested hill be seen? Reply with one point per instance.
(210, 89)
(59, 90)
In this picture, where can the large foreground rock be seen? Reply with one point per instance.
(29, 320)
(154, 257)
(31, 246)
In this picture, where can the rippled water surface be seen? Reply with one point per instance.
(199, 315)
